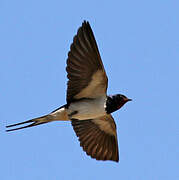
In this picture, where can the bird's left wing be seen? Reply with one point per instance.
(98, 137)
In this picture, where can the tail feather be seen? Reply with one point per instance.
(34, 122)
(59, 114)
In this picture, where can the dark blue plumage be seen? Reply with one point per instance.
(115, 102)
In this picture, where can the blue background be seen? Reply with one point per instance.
(139, 45)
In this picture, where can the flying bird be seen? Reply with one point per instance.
(88, 106)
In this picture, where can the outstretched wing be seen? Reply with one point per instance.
(86, 74)
(98, 137)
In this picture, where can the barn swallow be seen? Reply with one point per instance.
(88, 106)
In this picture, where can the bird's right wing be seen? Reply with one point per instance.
(98, 137)
(86, 73)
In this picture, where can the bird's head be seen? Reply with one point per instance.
(115, 102)
(120, 100)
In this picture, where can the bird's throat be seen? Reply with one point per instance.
(111, 105)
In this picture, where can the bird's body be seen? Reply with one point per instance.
(88, 106)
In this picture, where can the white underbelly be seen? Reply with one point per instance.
(87, 109)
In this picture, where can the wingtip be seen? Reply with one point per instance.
(85, 23)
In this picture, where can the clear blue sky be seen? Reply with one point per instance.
(139, 45)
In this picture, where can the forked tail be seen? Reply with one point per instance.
(59, 114)
(33, 122)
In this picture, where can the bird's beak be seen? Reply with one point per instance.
(129, 100)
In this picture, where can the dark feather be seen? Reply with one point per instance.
(83, 62)
(98, 137)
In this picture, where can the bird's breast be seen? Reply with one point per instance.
(87, 108)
